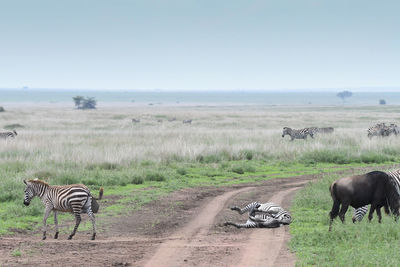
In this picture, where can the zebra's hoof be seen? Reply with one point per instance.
(93, 236)
(44, 238)
(56, 235)
(70, 237)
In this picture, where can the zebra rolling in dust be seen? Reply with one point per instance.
(5, 135)
(267, 215)
(297, 134)
(74, 198)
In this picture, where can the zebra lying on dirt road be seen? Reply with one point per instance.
(267, 215)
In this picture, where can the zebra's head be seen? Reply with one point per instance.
(285, 131)
(29, 193)
(15, 132)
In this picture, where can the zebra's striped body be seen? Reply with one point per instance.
(68, 198)
(359, 213)
(267, 215)
(297, 134)
(381, 129)
(5, 135)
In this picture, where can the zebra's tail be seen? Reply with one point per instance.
(101, 191)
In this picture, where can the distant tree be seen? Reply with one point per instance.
(382, 102)
(84, 103)
(345, 94)
(2, 109)
(78, 100)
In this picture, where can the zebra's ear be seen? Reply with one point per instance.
(25, 182)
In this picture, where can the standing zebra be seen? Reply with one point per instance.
(297, 134)
(5, 135)
(270, 216)
(74, 198)
(360, 212)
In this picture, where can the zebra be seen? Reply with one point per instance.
(377, 130)
(74, 198)
(359, 213)
(270, 216)
(297, 134)
(187, 121)
(5, 135)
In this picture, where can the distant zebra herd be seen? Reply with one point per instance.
(303, 133)
(6, 135)
(381, 129)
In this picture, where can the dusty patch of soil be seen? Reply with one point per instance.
(184, 228)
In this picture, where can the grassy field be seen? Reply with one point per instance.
(223, 145)
(360, 244)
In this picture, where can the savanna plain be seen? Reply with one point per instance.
(141, 164)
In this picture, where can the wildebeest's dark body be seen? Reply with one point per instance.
(375, 188)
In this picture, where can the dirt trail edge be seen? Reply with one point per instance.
(262, 247)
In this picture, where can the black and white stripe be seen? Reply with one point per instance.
(5, 135)
(359, 213)
(67, 198)
(297, 134)
(267, 215)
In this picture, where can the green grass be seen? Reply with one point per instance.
(136, 185)
(361, 244)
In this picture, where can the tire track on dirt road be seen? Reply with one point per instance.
(262, 247)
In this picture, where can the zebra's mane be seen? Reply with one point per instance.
(37, 181)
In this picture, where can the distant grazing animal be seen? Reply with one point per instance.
(159, 121)
(297, 134)
(267, 215)
(187, 121)
(381, 129)
(360, 212)
(6, 135)
(172, 119)
(136, 120)
(326, 130)
(375, 188)
(74, 198)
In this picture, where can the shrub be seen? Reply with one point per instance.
(2, 109)
(13, 126)
(137, 180)
(181, 171)
(155, 176)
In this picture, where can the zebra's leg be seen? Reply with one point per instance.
(77, 222)
(248, 224)
(92, 218)
(249, 207)
(56, 224)
(46, 215)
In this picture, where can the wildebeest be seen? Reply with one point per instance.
(375, 188)
(187, 121)
(136, 120)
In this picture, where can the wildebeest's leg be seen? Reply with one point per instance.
(343, 211)
(334, 212)
(46, 215)
(371, 211)
(92, 218)
(77, 222)
(378, 211)
(56, 223)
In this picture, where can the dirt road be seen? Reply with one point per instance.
(189, 233)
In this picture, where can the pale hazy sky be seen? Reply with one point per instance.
(199, 44)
